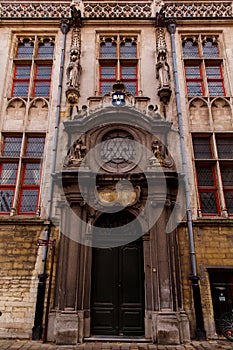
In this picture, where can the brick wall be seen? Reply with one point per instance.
(20, 261)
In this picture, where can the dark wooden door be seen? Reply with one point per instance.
(117, 300)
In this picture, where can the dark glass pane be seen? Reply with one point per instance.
(190, 49)
(42, 88)
(131, 87)
(45, 49)
(31, 174)
(216, 88)
(227, 175)
(43, 72)
(128, 72)
(201, 146)
(229, 201)
(8, 173)
(105, 87)
(213, 72)
(205, 176)
(210, 49)
(20, 89)
(22, 72)
(208, 202)
(35, 147)
(108, 49)
(194, 88)
(108, 72)
(192, 72)
(6, 200)
(128, 49)
(29, 201)
(225, 147)
(12, 146)
(25, 49)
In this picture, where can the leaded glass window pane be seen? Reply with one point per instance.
(108, 72)
(8, 173)
(192, 72)
(216, 88)
(45, 49)
(42, 88)
(12, 146)
(213, 72)
(25, 49)
(229, 201)
(210, 49)
(43, 72)
(29, 201)
(202, 149)
(22, 72)
(205, 176)
(194, 88)
(190, 49)
(225, 147)
(35, 147)
(128, 72)
(128, 49)
(21, 89)
(227, 175)
(6, 200)
(108, 49)
(209, 202)
(105, 87)
(131, 87)
(31, 174)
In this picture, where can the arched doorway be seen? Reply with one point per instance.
(117, 293)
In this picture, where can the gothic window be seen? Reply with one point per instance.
(203, 66)
(32, 67)
(20, 172)
(118, 60)
(214, 168)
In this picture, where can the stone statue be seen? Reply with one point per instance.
(76, 154)
(163, 71)
(73, 72)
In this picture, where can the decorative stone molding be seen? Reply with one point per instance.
(110, 9)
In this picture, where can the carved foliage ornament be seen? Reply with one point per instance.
(112, 10)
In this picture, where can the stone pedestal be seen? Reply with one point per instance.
(170, 328)
(66, 328)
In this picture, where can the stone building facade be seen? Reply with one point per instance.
(116, 186)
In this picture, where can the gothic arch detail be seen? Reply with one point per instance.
(222, 114)
(198, 110)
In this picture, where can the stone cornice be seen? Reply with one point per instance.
(111, 9)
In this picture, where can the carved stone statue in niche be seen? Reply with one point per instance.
(160, 155)
(73, 71)
(76, 154)
(163, 71)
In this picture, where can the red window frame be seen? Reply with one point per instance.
(39, 80)
(220, 80)
(28, 187)
(208, 189)
(197, 80)
(8, 187)
(20, 80)
(107, 80)
(130, 80)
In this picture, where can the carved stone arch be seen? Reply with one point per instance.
(221, 114)
(16, 109)
(38, 112)
(199, 112)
